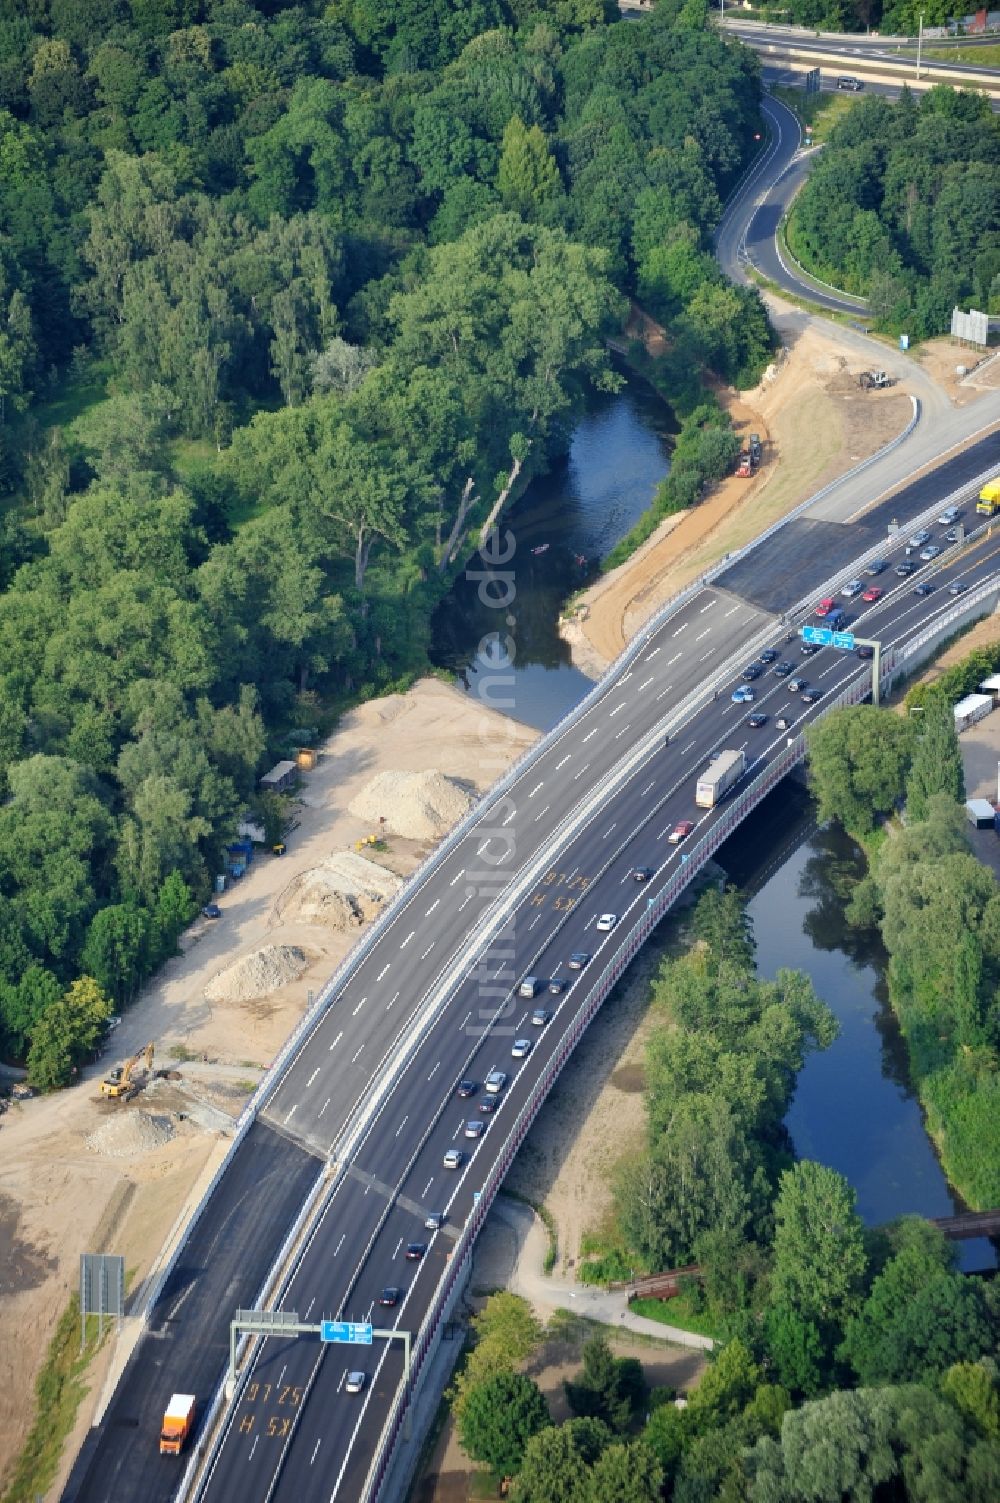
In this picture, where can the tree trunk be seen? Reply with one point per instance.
(361, 558)
(468, 500)
(500, 501)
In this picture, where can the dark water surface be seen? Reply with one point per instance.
(577, 512)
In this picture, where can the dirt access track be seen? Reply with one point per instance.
(815, 423)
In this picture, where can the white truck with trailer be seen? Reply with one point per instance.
(721, 774)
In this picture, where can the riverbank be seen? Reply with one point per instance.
(815, 423)
(60, 1194)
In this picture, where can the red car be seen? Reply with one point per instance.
(825, 607)
(872, 595)
(680, 831)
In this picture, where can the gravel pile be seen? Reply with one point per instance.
(129, 1133)
(257, 974)
(343, 892)
(416, 805)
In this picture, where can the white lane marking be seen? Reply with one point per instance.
(337, 1040)
(406, 941)
(399, 1129)
(540, 814)
(534, 921)
(706, 633)
(427, 951)
(394, 998)
(618, 709)
(506, 822)
(309, 1307)
(291, 1114)
(467, 902)
(563, 762)
(675, 659)
(608, 831)
(434, 1071)
(688, 748)
(398, 1246)
(381, 973)
(651, 656)
(621, 733)
(317, 1446)
(591, 733)
(683, 627)
(423, 1195)
(647, 788)
(456, 879)
(436, 904)
(312, 1078)
(536, 788)
(359, 1007)
(583, 769)
(707, 607)
(644, 685)
(355, 1057)
(732, 610)
(483, 848)
(253, 1447)
(323, 1108)
(706, 655)
(468, 1015)
(343, 1239)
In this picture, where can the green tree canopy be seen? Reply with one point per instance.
(499, 1416)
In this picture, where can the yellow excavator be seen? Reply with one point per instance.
(122, 1084)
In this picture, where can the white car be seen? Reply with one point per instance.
(949, 515)
(475, 1127)
(355, 1382)
(853, 588)
(520, 1049)
(454, 1158)
(920, 538)
(495, 1082)
(606, 923)
(931, 551)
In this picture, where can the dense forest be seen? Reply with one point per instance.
(851, 1363)
(903, 206)
(291, 296)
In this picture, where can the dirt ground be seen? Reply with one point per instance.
(59, 1197)
(814, 423)
(941, 358)
(449, 1477)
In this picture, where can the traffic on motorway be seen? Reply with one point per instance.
(303, 1426)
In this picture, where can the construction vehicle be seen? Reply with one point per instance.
(177, 1422)
(744, 465)
(719, 776)
(875, 380)
(121, 1084)
(989, 499)
(755, 449)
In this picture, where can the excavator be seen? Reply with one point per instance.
(121, 1084)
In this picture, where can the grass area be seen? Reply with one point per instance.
(818, 113)
(59, 1390)
(187, 454)
(72, 396)
(682, 1311)
(983, 57)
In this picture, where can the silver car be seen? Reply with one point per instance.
(930, 552)
(853, 588)
(920, 538)
(355, 1382)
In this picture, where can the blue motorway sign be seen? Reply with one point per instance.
(823, 636)
(351, 1332)
(844, 639)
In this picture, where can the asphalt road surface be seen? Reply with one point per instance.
(870, 50)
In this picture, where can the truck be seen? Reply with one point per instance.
(875, 380)
(721, 774)
(989, 499)
(177, 1422)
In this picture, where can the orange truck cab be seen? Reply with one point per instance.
(177, 1423)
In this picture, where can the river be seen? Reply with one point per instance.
(854, 1107)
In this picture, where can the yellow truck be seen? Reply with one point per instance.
(989, 499)
(177, 1423)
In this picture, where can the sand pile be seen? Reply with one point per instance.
(416, 805)
(130, 1132)
(257, 974)
(343, 892)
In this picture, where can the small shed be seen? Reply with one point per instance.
(970, 709)
(282, 775)
(980, 812)
(991, 686)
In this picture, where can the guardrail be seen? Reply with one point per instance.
(692, 862)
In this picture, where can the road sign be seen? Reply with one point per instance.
(844, 639)
(822, 636)
(346, 1332)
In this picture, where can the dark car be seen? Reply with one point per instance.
(541, 1017)
(924, 588)
(391, 1295)
(770, 655)
(751, 671)
(877, 566)
(468, 1087)
(906, 568)
(488, 1105)
(641, 873)
(866, 652)
(415, 1251)
(756, 721)
(578, 960)
(557, 985)
(211, 910)
(783, 669)
(957, 587)
(808, 648)
(811, 696)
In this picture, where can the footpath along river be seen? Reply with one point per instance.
(854, 1108)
